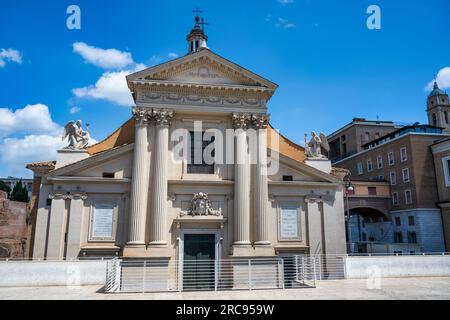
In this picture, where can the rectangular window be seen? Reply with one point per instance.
(411, 221)
(289, 224)
(398, 237)
(380, 162)
(360, 168)
(405, 173)
(367, 136)
(197, 162)
(412, 237)
(391, 158)
(395, 198)
(403, 154)
(408, 197)
(372, 191)
(393, 178)
(377, 135)
(288, 178)
(102, 222)
(109, 175)
(381, 177)
(398, 221)
(369, 165)
(446, 167)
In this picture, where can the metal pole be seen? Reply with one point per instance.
(250, 274)
(349, 234)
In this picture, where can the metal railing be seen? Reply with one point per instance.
(210, 275)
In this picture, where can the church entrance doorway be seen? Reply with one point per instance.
(199, 261)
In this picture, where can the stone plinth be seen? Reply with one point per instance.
(67, 156)
(323, 165)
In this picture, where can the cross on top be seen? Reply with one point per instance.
(203, 24)
(197, 11)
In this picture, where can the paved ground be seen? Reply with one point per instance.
(393, 288)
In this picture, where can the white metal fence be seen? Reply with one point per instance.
(211, 275)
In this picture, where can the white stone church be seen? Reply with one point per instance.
(136, 195)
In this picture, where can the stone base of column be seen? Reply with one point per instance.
(133, 250)
(264, 250)
(142, 251)
(242, 250)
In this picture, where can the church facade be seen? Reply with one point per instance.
(144, 193)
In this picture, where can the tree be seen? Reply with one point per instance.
(4, 187)
(19, 192)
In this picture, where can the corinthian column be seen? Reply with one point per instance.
(158, 233)
(140, 180)
(261, 188)
(241, 182)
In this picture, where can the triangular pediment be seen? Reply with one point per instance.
(300, 171)
(203, 67)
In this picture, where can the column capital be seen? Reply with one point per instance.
(260, 121)
(162, 117)
(241, 120)
(245, 120)
(141, 115)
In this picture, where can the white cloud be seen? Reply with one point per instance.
(15, 153)
(285, 1)
(40, 138)
(443, 79)
(9, 55)
(173, 55)
(111, 86)
(32, 119)
(103, 58)
(74, 110)
(284, 23)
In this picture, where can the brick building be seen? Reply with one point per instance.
(13, 227)
(402, 157)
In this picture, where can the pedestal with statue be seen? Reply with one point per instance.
(315, 149)
(78, 140)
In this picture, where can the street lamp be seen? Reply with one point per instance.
(348, 188)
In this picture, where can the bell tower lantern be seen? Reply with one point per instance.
(438, 108)
(197, 37)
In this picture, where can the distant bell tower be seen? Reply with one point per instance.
(438, 108)
(197, 37)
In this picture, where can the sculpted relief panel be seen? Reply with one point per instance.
(167, 98)
(203, 74)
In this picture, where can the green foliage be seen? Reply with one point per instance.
(4, 187)
(19, 193)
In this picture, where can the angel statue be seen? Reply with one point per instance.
(77, 137)
(314, 147)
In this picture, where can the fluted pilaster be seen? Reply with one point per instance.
(260, 123)
(158, 224)
(241, 182)
(140, 180)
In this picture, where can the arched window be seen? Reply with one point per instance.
(446, 117)
(434, 119)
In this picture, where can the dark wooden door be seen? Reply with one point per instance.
(199, 261)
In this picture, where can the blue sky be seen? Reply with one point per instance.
(330, 67)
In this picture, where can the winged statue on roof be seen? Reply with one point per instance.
(316, 146)
(77, 137)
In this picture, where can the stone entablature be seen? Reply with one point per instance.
(68, 195)
(200, 97)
